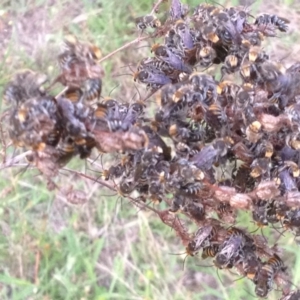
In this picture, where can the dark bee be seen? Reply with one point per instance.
(201, 239)
(228, 253)
(264, 278)
(191, 188)
(178, 203)
(24, 85)
(206, 56)
(226, 212)
(155, 65)
(266, 19)
(259, 213)
(229, 250)
(153, 80)
(251, 263)
(165, 54)
(92, 89)
(178, 10)
(195, 210)
(260, 168)
(66, 149)
(231, 65)
(35, 122)
(78, 63)
(147, 21)
(182, 29)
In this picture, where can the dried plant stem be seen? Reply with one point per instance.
(14, 160)
(135, 41)
(156, 6)
(111, 187)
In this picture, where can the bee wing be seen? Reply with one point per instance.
(205, 158)
(157, 78)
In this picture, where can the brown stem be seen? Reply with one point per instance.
(135, 41)
(156, 6)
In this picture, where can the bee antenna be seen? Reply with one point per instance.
(219, 277)
(137, 91)
(215, 2)
(149, 95)
(177, 253)
(127, 66)
(118, 75)
(184, 261)
(113, 89)
(239, 278)
(280, 233)
(205, 266)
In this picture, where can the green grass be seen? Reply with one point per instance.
(104, 249)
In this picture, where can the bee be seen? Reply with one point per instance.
(178, 203)
(267, 19)
(78, 63)
(231, 65)
(215, 116)
(260, 168)
(259, 213)
(191, 188)
(126, 186)
(242, 179)
(206, 56)
(66, 149)
(227, 92)
(134, 112)
(165, 54)
(203, 11)
(251, 263)
(92, 89)
(208, 33)
(264, 278)
(228, 253)
(74, 72)
(242, 152)
(205, 84)
(25, 84)
(153, 80)
(155, 65)
(254, 132)
(183, 31)
(226, 212)
(85, 146)
(35, 122)
(195, 210)
(83, 50)
(202, 239)
(147, 21)
(177, 10)
(210, 251)
(75, 95)
(229, 250)
(292, 218)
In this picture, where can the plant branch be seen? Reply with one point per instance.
(156, 6)
(135, 41)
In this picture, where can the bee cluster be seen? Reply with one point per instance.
(217, 146)
(59, 128)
